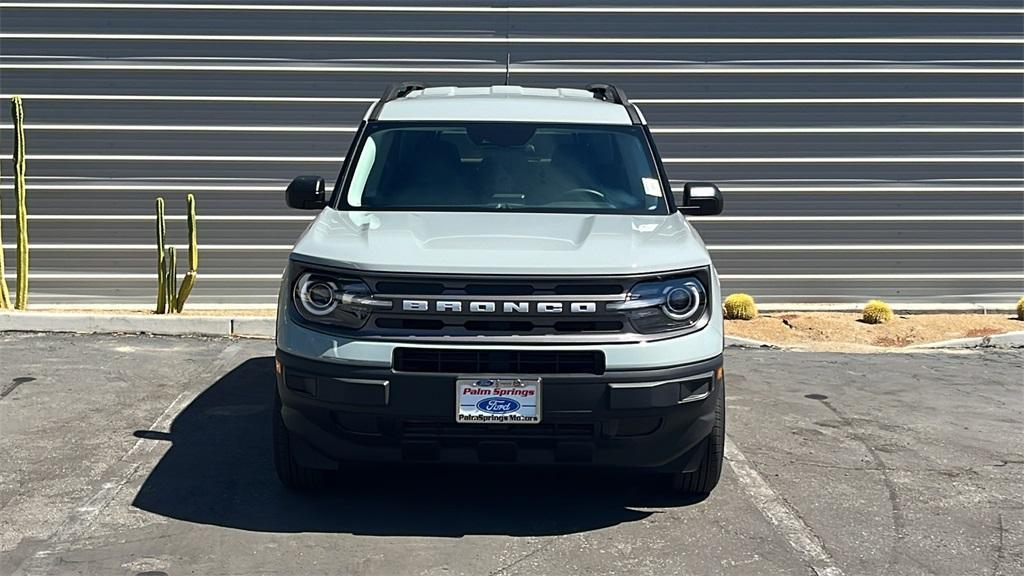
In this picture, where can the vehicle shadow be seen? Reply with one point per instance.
(219, 471)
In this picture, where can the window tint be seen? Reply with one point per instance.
(505, 166)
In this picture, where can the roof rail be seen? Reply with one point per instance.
(609, 93)
(394, 92)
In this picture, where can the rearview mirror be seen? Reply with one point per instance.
(701, 199)
(306, 193)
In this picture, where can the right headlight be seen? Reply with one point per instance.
(675, 304)
(326, 298)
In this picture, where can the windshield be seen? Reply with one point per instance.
(506, 166)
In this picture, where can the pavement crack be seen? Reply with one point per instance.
(1000, 551)
(899, 523)
(545, 544)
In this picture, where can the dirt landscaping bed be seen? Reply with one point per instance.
(844, 331)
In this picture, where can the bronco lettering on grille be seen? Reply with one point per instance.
(492, 307)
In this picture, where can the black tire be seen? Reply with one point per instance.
(289, 472)
(703, 480)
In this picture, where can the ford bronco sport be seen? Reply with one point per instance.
(501, 275)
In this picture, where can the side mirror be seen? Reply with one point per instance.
(702, 199)
(306, 193)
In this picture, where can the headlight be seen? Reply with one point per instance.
(666, 305)
(322, 297)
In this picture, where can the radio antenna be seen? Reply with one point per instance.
(508, 66)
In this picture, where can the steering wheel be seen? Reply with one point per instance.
(590, 193)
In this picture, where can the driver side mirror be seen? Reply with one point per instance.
(306, 193)
(701, 199)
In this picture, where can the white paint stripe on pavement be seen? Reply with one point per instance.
(780, 514)
(139, 457)
(519, 9)
(506, 40)
(671, 130)
(489, 68)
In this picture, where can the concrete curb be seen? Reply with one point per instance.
(737, 342)
(264, 327)
(169, 325)
(1007, 340)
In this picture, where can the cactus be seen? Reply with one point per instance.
(161, 264)
(169, 298)
(740, 307)
(193, 256)
(21, 287)
(877, 312)
(171, 278)
(1020, 309)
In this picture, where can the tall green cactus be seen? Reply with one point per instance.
(169, 297)
(193, 256)
(21, 288)
(161, 263)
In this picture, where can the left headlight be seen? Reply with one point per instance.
(328, 299)
(675, 304)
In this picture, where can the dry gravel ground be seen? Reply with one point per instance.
(130, 455)
(845, 332)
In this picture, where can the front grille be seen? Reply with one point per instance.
(425, 324)
(455, 361)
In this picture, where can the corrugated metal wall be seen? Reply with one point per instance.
(864, 150)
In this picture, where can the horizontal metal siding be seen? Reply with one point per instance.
(908, 118)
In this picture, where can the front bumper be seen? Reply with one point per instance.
(656, 419)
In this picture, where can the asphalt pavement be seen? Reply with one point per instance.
(150, 455)
(908, 117)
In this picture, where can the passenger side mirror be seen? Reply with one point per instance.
(701, 199)
(306, 193)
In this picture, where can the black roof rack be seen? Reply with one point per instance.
(394, 92)
(609, 93)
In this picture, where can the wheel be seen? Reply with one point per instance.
(293, 475)
(703, 480)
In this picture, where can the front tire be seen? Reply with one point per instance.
(700, 482)
(291, 474)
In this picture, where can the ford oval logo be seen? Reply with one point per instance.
(484, 383)
(497, 405)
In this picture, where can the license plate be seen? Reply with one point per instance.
(497, 400)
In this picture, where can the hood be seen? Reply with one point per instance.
(501, 243)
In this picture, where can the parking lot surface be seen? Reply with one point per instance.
(147, 455)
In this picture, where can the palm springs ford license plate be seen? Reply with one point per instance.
(497, 400)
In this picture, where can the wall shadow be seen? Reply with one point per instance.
(219, 471)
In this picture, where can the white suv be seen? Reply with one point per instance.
(501, 275)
